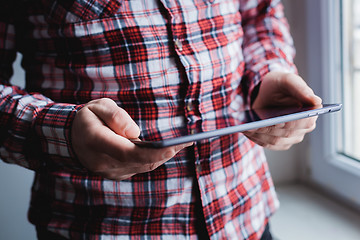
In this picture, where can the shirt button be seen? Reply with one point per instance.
(189, 107)
(178, 44)
(193, 131)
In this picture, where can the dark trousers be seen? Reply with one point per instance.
(266, 235)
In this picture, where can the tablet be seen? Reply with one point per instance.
(242, 121)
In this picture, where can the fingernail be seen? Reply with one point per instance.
(318, 99)
(314, 98)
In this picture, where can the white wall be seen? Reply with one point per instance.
(15, 182)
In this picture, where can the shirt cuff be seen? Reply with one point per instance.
(53, 130)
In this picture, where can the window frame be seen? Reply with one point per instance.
(328, 168)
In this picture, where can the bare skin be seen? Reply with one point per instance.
(100, 136)
(283, 89)
(101, 130)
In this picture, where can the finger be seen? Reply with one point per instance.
(298, 89)
(277, 147)
(287, 133)
(100, 138)
(149, 159)
(150, 156)
(91, 139)
(286, 129)
(269, 146)
(116, 118)
(273, 147)
(270, 141)
(290, 129)
(306, 123)
(116, 146)
(116, 169)
(124, 151)
(265, 129)
(116, 175)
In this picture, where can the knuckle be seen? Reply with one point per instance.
(287, 147)
(266, 130)
(116, 116)
(105, 101)
(288, 134)
(291, 125)
(100, 101)
(275, 141)
(266, 145)
(312, 128)
(301, 138)
(249, 134)
(280, 125)
(309, 124)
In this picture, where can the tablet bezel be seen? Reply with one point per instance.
(323, 109)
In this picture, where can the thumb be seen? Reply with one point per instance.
(116, 118)
(298, 89)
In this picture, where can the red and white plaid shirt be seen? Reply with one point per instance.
(173, 65)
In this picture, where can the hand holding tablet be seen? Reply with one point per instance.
(245, 121)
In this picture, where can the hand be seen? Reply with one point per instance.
(100, 136)
(283, 89)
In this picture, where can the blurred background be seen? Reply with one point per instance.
(317, 180)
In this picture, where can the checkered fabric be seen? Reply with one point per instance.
(174, 66)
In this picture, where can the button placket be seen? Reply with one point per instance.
(193, 131)
(189, 107)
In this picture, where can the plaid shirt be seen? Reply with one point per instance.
(173, 66)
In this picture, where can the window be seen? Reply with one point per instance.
(351, 78)
(333, 56)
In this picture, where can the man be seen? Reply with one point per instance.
(99, 73)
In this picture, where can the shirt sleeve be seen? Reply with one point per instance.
(34, 130)
(268, 45)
